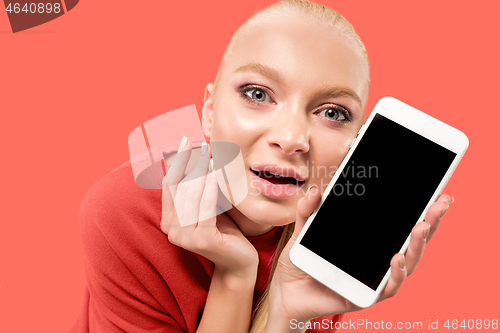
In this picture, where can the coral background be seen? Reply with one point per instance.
(73, 89)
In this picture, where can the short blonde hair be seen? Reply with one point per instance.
(317, 12)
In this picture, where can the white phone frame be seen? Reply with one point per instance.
(418, 122)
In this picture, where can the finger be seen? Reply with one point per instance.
(202, 166)
(423, 231)
(435, 213)
(177, 170)
(190, 190)
(306, 206)
(417, 245)
(398, 275)
(446, 198)
(208, 204)
(168, 214)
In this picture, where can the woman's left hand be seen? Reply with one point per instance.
(296, 295)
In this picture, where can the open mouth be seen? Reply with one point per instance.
(277, 179)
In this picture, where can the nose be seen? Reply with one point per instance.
(289, 132)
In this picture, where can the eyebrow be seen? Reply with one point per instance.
(338, 91)
(262, 70)
(335, 91)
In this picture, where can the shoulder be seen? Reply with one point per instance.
(117, 195)
(122, 241)
(120, 217)
(134, 275)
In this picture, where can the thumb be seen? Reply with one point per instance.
(305, 207)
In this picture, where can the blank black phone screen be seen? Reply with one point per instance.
(377, 200)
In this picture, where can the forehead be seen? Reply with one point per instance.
(304, 52)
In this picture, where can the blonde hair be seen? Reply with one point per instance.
(322, 15)
(317, 12)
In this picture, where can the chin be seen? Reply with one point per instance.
(268, 212)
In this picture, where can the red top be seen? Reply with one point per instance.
(137, 281)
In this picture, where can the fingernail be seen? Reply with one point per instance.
(204, 148)
(445, 209)
(452, 201)
(427, 230)
(184, 142)
(402, 262)
(309, 190)
(211, 165)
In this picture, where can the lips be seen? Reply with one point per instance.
(276, 170)
(276, 182)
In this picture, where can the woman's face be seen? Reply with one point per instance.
(291, 95)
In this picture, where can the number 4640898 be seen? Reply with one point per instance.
(34, 8)
(472, 324)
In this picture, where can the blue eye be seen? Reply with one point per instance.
(333, 114)
(258, 95)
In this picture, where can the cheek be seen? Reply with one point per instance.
(238, 126)
(326, 161)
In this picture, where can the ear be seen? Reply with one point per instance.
(207, 111)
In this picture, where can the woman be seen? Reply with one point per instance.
(291, 92)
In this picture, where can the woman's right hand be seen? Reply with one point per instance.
(189, 216)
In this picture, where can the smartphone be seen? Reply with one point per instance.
(394, 170)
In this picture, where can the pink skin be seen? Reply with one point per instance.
(289, 128)
(313, 68)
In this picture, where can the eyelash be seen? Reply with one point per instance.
(246, 88)
(343, 111)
